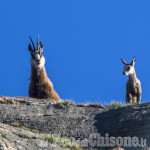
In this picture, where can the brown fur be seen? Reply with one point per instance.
(40, 86)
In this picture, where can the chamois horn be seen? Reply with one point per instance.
(32, 43)
(123, 61)
(38, 42)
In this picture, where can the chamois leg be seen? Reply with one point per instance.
(128, 98)
(138, 97)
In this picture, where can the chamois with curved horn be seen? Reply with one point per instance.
(40, 85)
(133, 86)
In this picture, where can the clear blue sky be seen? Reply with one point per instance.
(84, 41)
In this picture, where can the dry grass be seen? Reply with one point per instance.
(114, 105)
(65, 143)
(64, 105)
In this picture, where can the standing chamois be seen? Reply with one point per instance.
(40, 86)
(133, 86)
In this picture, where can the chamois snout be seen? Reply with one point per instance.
(128, 67)
(37, 59)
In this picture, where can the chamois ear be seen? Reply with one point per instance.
(41, 47)
(29, 48)
(123, 61)
(133, 61)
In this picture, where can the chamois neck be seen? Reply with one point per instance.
(132, 77)
(38, 74)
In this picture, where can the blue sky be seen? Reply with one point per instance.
(84, 41)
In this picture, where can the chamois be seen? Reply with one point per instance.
(133, 86)
(40, 85)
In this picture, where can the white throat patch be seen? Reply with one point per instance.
(39, 64)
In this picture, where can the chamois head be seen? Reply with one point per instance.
(128, 67)
(37, 58)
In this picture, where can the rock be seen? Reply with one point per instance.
(74, 121)
(13, 138)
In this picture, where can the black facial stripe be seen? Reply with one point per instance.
(37, 52)
(32, 56)
(41, 54)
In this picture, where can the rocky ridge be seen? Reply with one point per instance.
(72, 121)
